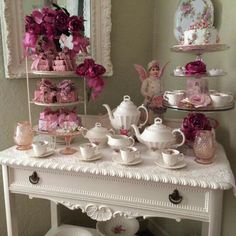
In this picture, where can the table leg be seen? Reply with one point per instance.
(213, 227)
(10, 207)
(54, 215)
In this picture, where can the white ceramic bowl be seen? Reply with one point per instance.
(118, 226)
(71, 230)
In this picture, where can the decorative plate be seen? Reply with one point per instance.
(191, 11)
(118, 226)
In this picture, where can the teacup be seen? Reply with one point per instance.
(88, 150)
(221, 99)
(172, 156)
(129, 154)
(174, 97)
(40, 147)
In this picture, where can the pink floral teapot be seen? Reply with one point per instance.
(126, 114)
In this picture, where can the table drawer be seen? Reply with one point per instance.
(146, 195)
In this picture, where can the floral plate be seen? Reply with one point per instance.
(118, 226)
(191, 11)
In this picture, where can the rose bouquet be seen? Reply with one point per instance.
(92, 73)
(44, 29)
(194, 122)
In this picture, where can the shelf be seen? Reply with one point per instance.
(69, 230)
(57, 104)
(199, 49)
(199, 75)
(53, 73)
(199, 109)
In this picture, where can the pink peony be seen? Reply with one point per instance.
(38, 16)
(30, 40)
(195, 67)
(61, 21)
(48, 15)
(194, 122)
(76, 24)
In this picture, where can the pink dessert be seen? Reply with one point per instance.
(48, 120)
(66, 119)
(46, 92)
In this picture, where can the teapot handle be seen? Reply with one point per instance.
(146, 112)
(183, 136)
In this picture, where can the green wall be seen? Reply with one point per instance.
(141, 30)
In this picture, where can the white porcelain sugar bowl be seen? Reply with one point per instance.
(97, 134)
(126, 114)
(158, 136)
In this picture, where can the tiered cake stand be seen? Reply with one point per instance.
(198, 50)
(81, 100)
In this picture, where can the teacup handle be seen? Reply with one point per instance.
(183, 136)
(165, 96)
(132, 140)
(146, 112)
(181, 157)
(231, 98)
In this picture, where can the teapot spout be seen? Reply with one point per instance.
(137, 133)
(111, 117)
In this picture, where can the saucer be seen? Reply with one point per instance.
(46, 154)
(118, 160)
(93, 158)
(159, 162)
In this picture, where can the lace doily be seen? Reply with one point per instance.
(217, 175)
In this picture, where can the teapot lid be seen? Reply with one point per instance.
(158, 126)
(126, 104)
(97, 131)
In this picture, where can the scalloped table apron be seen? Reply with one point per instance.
(104, 189)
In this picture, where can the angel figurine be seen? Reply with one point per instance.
(151, 87)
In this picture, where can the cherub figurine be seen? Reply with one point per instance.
(151, 87)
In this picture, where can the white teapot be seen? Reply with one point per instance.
(97, 134)
(158, 136)
(126, 114)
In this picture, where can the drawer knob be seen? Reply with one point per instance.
(175, 197)
(34, 179)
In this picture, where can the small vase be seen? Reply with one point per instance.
(23, 136)
(204, 146)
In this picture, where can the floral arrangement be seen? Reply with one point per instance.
(45, 28)
(195, 67)
(194, 122)
(92, 73)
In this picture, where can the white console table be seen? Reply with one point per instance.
(104, 188)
